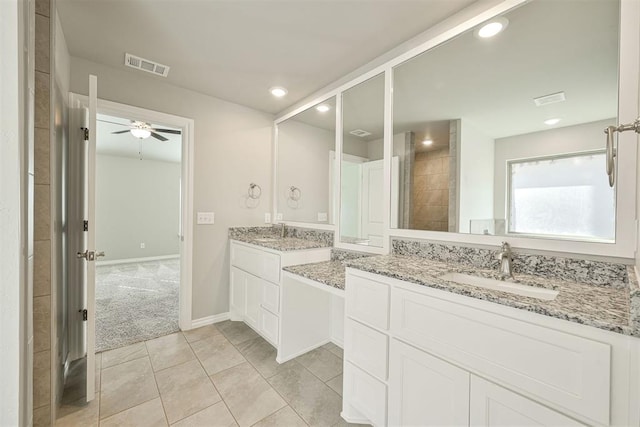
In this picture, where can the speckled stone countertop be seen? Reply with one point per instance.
(605, 307)
(330, 273)
(295, 238)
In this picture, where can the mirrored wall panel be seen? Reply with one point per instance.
(362, 206)
(500, 130)
(306, 149)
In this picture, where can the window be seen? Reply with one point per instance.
(565, 196)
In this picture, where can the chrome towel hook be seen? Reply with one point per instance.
(612, 152)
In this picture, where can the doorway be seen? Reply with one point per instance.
(138, 173)
(167, 266)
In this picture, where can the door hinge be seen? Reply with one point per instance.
(85, 133)
(85, 225)
(85, 314)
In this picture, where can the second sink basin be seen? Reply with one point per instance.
(504, 286)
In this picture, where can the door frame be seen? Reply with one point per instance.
(186, 125)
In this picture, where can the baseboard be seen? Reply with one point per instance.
(130, 260)
(209, 320)
(337, 342)
(352, 420)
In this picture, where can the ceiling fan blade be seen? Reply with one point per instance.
(173, 131)
(113, 123)
(158, 136)
(121, 131)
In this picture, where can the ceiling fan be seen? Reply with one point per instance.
(144, 130)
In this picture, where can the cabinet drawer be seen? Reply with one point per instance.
(269, 326)
(561, 368)
(366, 394)
(271, 297)
(366, 348)
(367, 301)
(260, 263)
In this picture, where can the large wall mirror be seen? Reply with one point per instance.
(503, 135)
(306, 149)
(362, 206)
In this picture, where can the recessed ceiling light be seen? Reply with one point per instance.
(323, 108)
(278, 91)
(427, 142)
(492, 27)
(551, 122)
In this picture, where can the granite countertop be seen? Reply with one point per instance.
(269, 237)
(329, 273)
(605, 307)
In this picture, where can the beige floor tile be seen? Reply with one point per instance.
(334, 349)
(236, 332)
(201, 333)
(262, 356)
(185, 389)
(249, 397)
(216, 354)
(217, 415)
(322, 363)
(313, 400)
(126, 385)
(284, 417)
(168, 351)
(79, 413)
(336, 384)
(148, 414)
(124, 354)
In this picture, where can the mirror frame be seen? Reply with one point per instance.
(629, 68)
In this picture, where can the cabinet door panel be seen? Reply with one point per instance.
(237, 279)
(425, 390)
(367, 301)
(492, 405)
(253, 298)
(366, 394)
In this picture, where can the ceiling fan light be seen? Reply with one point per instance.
(141, 133)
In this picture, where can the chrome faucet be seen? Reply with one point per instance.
(283, 229)
(506, 259)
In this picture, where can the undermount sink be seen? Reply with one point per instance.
(267, 239)
(504, 286)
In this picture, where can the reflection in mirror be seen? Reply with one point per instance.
(362, 205)
(306, 147)
(504, 135)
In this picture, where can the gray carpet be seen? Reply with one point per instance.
(136, 302)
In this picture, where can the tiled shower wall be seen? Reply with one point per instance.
(431, 190)
(42, 286)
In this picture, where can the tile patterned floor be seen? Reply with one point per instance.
(217, 375)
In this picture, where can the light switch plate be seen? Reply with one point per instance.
(322, 216)
(206, 218)
(267, 218)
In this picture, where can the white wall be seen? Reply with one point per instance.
(476, 175)
(303, 162)
(137, 201)
(588, 136)
(12, 192)
(232, 149)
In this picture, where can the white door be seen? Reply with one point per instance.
(425, 390)
(373, 201)
(492, 405)
(82, 250)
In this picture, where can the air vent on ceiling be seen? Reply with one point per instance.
(145, 65)
(359, 132)
(549, 99)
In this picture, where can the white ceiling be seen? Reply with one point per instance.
(237, 50)
(126, 145)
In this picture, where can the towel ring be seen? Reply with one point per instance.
(294, 193)
(254, 191)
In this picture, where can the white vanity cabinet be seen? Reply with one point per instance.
(254, 276)
(426, 357)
